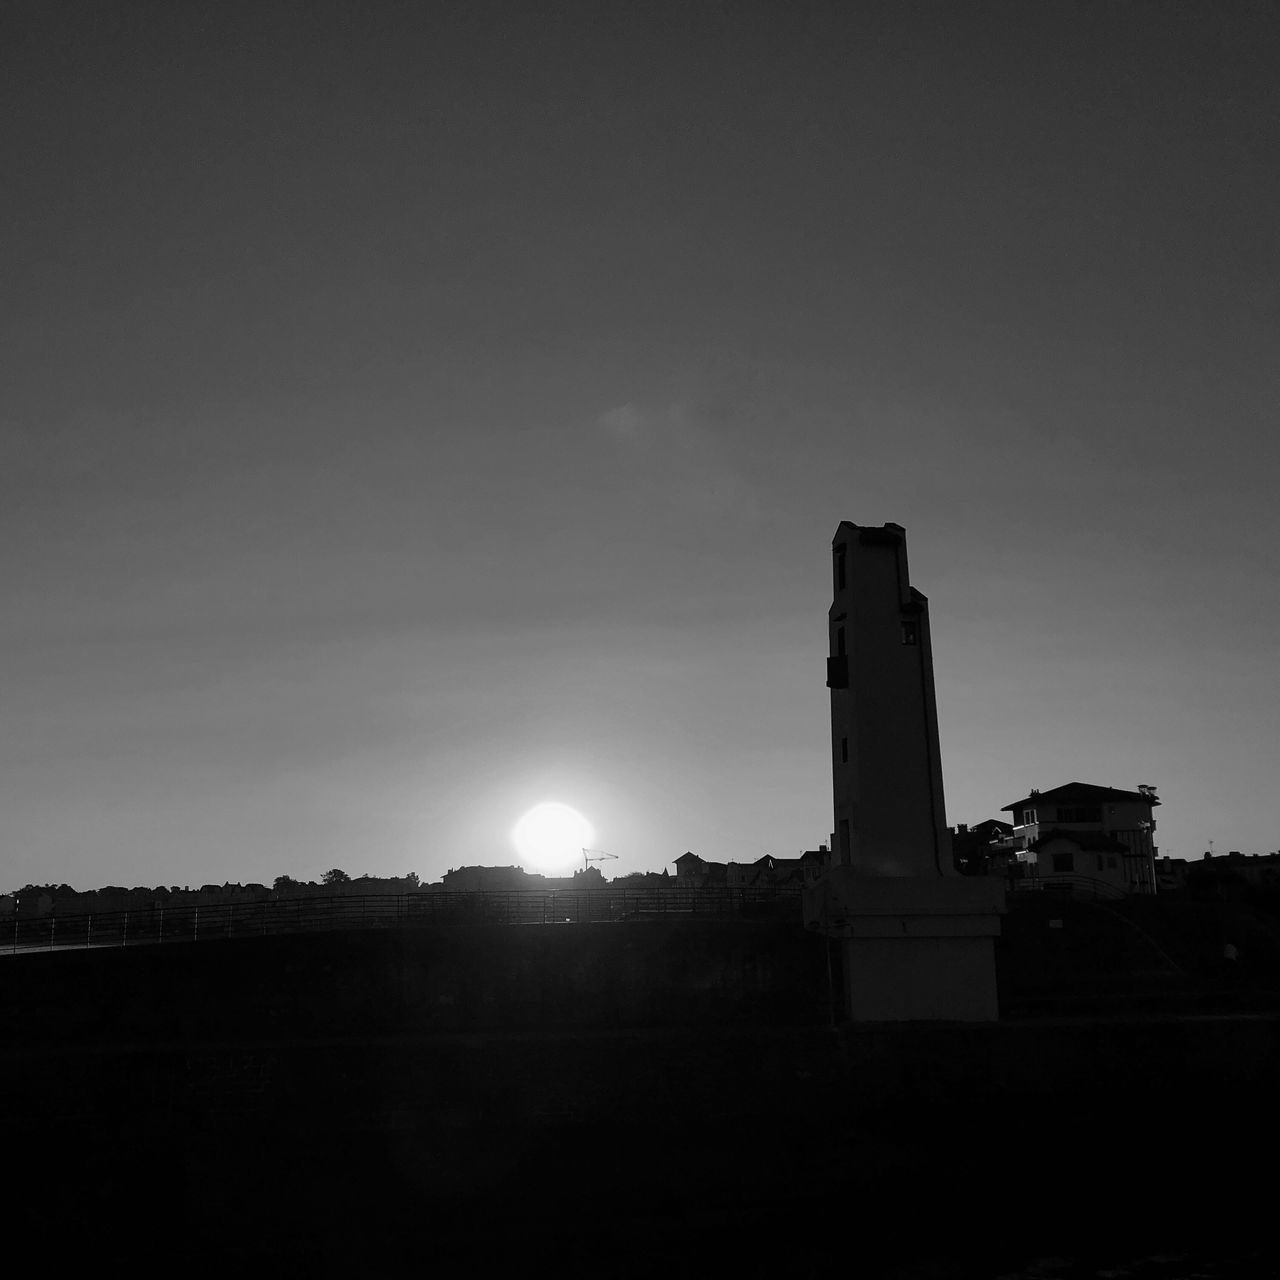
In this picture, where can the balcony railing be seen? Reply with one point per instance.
(1068, 886)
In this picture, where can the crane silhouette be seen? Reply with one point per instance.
(599, 856)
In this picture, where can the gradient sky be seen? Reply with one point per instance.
(414, 412)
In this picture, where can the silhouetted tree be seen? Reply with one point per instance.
(284, 882)
(413, 880)
(335, 876)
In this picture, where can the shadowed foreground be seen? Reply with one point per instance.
(605, 1102)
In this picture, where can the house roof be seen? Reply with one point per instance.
(997, 823)
(986, 827)
(1080, 791)
(692, 858)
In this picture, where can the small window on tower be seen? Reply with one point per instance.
(839, 568)
(844, 750)
(839, 642)
(911, 632)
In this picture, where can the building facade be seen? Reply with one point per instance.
(977, 849)
(1083, 832)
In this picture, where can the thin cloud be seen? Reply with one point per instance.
(624, 423)
(681, 454)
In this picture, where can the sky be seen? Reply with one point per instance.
(413, 413)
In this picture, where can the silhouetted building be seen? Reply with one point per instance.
(1171, 874)
(916, 938)
(765, 872)
(587, 878)
(885, 756)
(643, 880)
(976, 849)
(1226, 876)
(693, 872)
(490, 880)
(1258, 870)
(1085, 832)
(515, 879)
(814, 863)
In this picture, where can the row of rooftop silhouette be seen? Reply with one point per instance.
(1066, 836)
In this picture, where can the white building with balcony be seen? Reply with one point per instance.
(1081, 833)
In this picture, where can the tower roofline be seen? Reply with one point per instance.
(847, 526)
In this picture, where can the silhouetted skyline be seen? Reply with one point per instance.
(413, 415)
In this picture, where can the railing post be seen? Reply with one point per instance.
(124, 932)
(195, 927)
(53, 929)
(88, 931)
(161, 936)
(231, 920)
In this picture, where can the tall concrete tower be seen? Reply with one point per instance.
(890, 817)
(915, 938)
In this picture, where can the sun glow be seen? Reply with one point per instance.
(552, 836)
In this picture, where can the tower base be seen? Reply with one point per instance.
(913, 948)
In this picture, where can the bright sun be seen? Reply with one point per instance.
(552, 836)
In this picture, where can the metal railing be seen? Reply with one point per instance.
(1067, 885)
(205, 922)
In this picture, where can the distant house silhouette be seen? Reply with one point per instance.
(1227, 876)
(767, 871)
(490, 880)
(977, 850)
(1083, 831)
(814, 862)
(515, 879)
(693, 872)
(1171, 874)
(642, 880)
